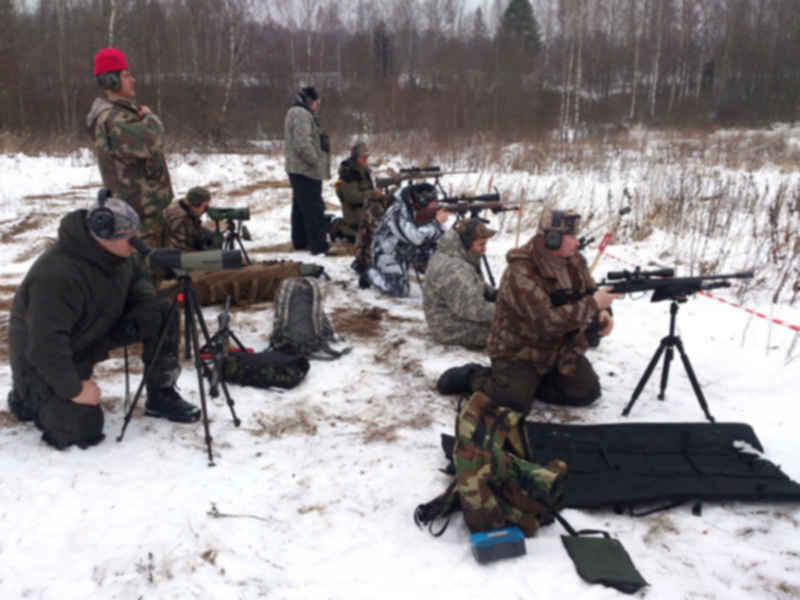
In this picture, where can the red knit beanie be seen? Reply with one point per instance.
(109, 59)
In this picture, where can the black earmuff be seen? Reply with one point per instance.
(110, 81)
(552, 238)
(100, 220)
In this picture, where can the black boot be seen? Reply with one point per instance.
(457, 379)
(167, 403)
(19, 408)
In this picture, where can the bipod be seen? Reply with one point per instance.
(185, 295)
(668, 342)
(233, 238)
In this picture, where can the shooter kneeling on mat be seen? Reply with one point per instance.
(81, 298)
(537, 345)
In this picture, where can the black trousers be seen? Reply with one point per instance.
(64, 422)
(309, 227)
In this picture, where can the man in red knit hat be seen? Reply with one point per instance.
(129, 145)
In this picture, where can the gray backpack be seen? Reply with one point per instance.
(301, 326)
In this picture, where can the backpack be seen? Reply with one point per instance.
(265, 369)
(300, 326)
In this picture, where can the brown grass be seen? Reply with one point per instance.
(4, 336)
(31, 221)
(259, 185)
(70, 195)
(364, 323)
(388, 433)
(284, 247)
(276, 427)
(36, 248)
(8, 421)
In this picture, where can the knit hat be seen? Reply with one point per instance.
(565, 221)
(108, 60)
(309, 93)
(112, 219)
(359, 149)
(197, 195)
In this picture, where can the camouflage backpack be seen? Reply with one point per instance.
(494, 485)
(301, 327)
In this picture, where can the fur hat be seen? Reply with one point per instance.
(470, 230)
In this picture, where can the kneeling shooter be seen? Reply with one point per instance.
(81, 298)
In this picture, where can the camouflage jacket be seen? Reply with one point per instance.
(370, 219)
(354, 189)
(130, 154)
(184, 231)
(496, 487)
(456, 309)
(302, 145)
(399, 241)
(526, 325)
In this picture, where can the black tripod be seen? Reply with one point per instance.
(232, 237)
(208, 364)
(669, 342)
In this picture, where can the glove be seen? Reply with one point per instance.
(490, 294)
(141, 323)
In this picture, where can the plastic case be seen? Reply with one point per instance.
(489, 546)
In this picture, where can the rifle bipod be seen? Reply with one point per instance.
(668, 342)
(211, 366)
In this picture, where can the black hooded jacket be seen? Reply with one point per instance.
(67, 305)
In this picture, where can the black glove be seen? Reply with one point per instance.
(324, 142)
(141, 323)
(490, 294)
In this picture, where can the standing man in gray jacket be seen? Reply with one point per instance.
(307, 150)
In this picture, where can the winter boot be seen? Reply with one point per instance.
(167, 403)
(19, 408)
(457, 379)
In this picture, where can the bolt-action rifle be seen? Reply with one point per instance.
(411, 174)
(661, 282)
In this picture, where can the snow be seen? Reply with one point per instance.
(313, 495)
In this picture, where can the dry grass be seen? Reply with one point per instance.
(388, 433)
(4, 317)
(8, 421)
(30, 221)
(364, 323)
(284, 247)
(265, 184)
(276, 427)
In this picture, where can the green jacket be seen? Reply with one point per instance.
(67, 305)
(354, 188)
(130, 154)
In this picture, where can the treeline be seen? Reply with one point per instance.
(220, 71)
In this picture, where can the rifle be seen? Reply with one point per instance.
(663, 283)
(412, 173)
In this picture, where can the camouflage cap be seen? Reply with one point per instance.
(474, 229)
(565, 221)
(112, 219)
(197, 195)
(359, 149)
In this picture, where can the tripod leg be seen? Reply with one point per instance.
(161, 337)
(695, 384)
(229, 400)
(198, 364)
(668, 356)
(647, 372)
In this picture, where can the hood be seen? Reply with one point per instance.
(74, 239)
(98, 106)
(348, 170)
(451, 245)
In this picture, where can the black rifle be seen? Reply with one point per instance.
(675, 289)
(411, 174)
(664, 285)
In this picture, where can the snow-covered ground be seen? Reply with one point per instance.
(312, 497)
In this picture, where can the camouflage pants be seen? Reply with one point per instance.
(515, 383)
(463, 333)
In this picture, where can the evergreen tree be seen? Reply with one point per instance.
(519, 25)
